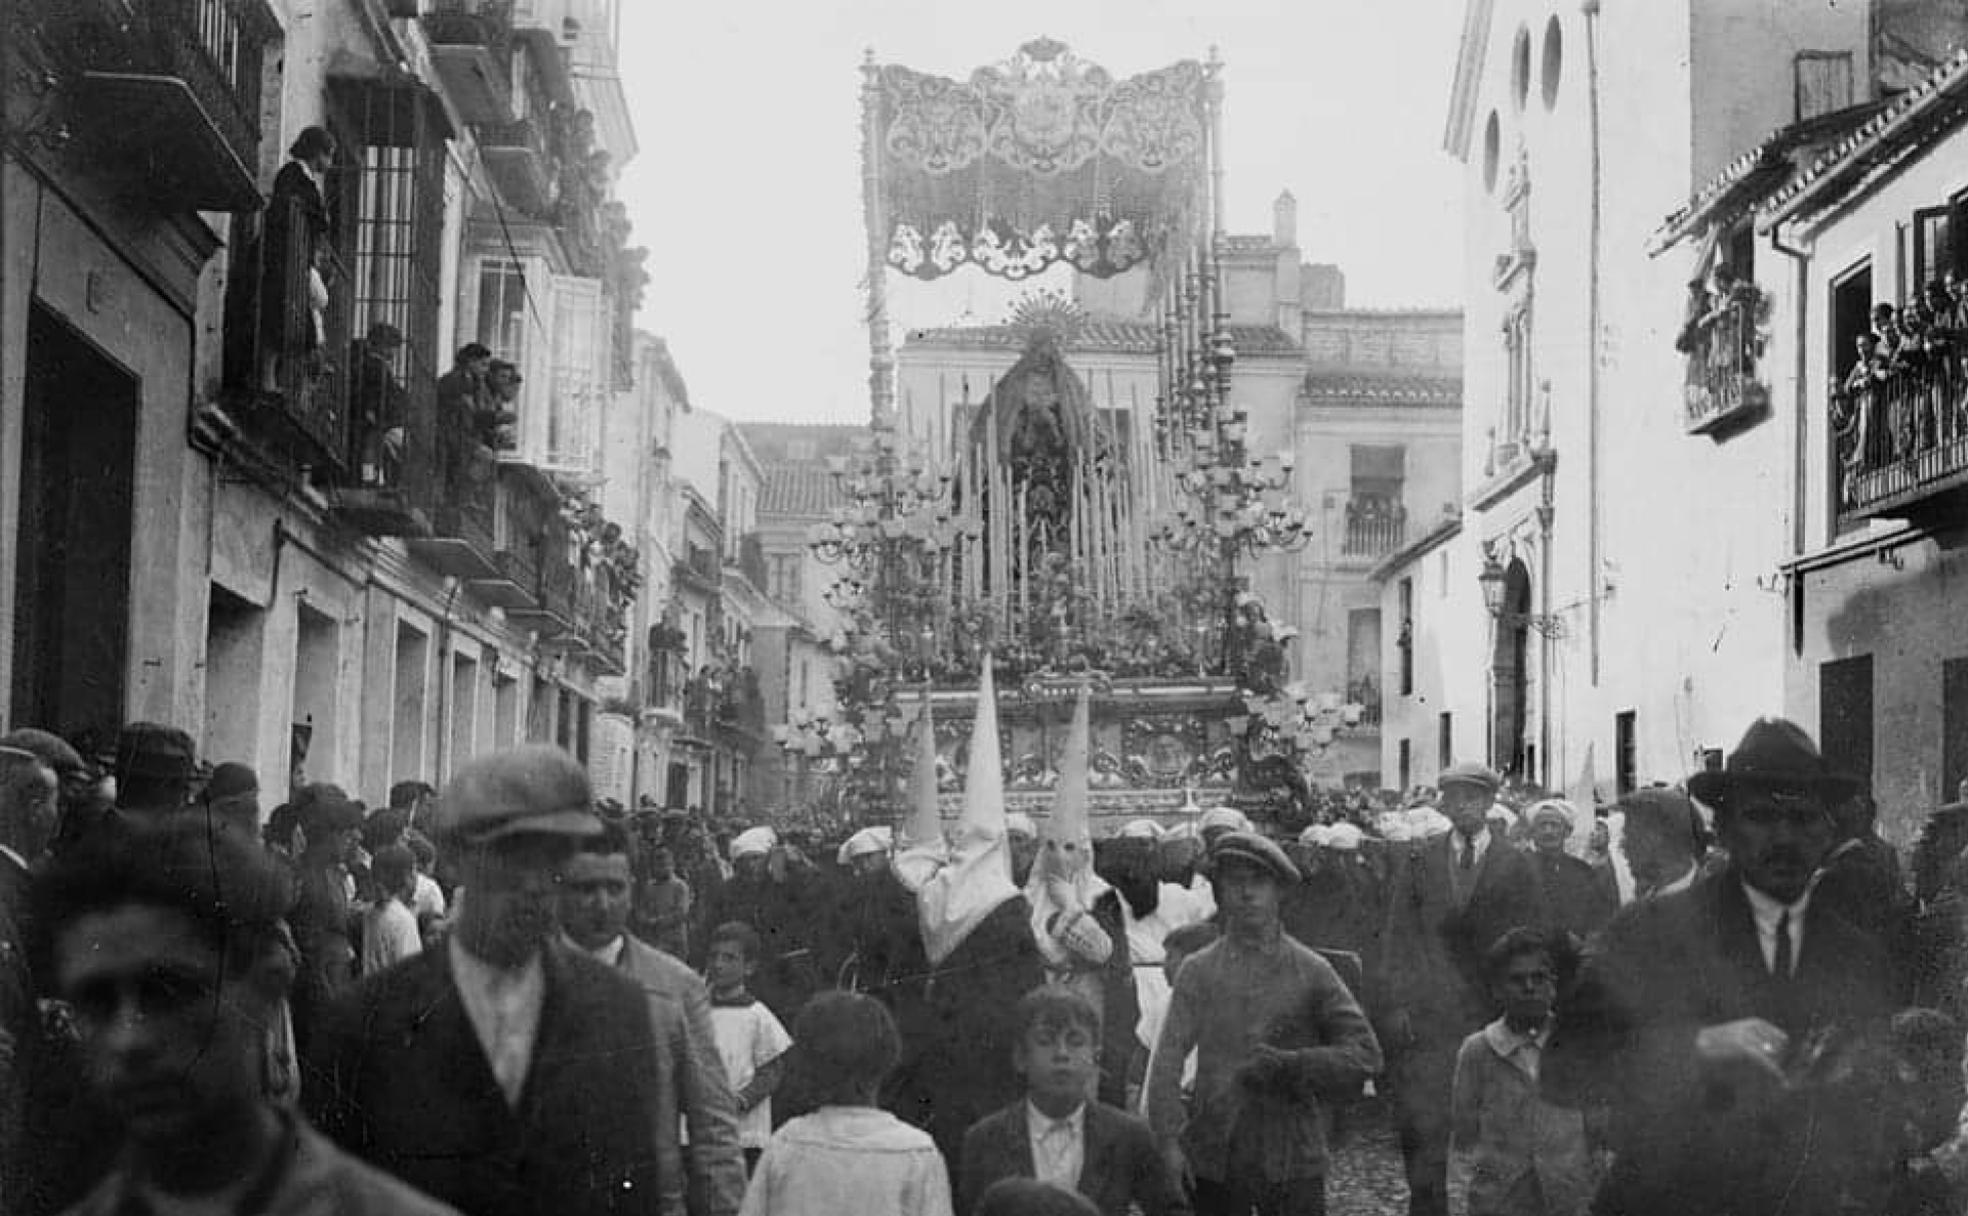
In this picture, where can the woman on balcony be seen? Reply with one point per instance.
(295, 239)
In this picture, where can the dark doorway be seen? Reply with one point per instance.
(1845, 716)
(1954, 729)
(1510, 673)
(676, 789)
(72, 573)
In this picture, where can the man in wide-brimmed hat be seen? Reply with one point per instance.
(1696, 1019)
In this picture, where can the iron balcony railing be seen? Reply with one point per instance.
(1722, 377)
(284, 379)
(1900, 426)
(486, 23)
(1375, 527)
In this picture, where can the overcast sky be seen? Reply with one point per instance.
(747, 189)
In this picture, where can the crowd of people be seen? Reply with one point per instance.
(1903, 392)
(506, 998)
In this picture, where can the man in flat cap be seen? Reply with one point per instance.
(504, 1073)
(1696, 1020)
(1449, 897)
(1275, 1033)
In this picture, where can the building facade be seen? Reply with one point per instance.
(1611, 609)
(310, 546)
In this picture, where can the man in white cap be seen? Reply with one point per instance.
(1450, 897)
(1220, 821)
(876, 947)
(503, 1074)
(770, 893)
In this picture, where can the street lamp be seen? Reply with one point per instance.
(1493, 581)
(1490, 578)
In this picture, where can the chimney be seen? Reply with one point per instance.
(1284, 221)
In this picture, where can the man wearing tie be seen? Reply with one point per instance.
(1448, 898)
(1694, 1021)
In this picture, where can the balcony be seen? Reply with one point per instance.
(463, 513)
(700, 571)
(169, 93)
(1723, 390)
(719, 703)
(552, 613)
(282, 388)
(520, 159)
(1901, 432)
(1375, 527)
(525, 502)
(471, 48)
(601, 622)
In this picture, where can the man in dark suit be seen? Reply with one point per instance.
(1697, 1021)
(691, 1085)
(1448, 899)
(503, 1074)
(1086, 1145)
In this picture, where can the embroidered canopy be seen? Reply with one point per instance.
(1041, 159)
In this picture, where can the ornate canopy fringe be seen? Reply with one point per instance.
(1041, 159)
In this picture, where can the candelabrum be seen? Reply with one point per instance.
(893, 541)
(1235, 506)
(1294, 719)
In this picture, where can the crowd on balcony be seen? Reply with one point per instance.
(1722, 336)
(1903, 393)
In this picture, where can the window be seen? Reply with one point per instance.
(1845, 716)
(1625, 753)
(397, 196)
(1445, 748)
(1851, 315)
(1937, 246)
(1404, 762)
(574, 414)
(1520, 67)
(1363, 659)
(783, 578)
(1739, 251)
(1554, 61)
(502, 308)
(1405, 641)
(1823, 82)
(1954, 728)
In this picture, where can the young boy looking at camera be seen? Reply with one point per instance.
(1058, 1133)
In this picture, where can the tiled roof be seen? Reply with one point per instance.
(1758, 169)
(1377, 390)
(798, 487)
(1929, 108)
(1128, 337)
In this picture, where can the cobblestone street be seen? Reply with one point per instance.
(1366, 1164)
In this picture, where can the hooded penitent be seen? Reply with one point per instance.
(1063, 886)
(958, 886)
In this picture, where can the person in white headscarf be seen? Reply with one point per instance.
(1575, 898)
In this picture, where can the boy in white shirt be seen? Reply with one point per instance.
(750, 1039)
(389, 927)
